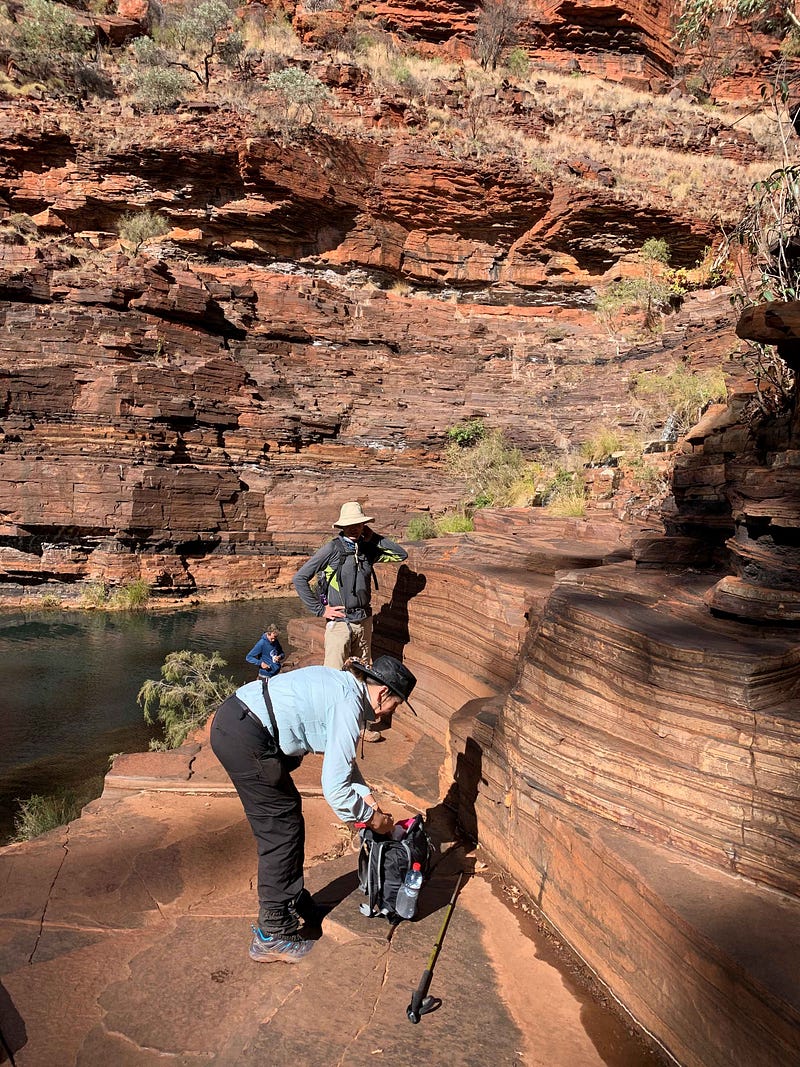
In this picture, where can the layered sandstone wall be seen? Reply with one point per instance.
(628, 757)
(195, 421)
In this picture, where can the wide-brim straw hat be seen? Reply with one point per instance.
(390, 672)
(351, 515)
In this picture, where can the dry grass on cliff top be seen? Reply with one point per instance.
(678, 173)
(710, 186)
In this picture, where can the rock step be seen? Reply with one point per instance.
(700, 956)
(676, 729)
(704, 958)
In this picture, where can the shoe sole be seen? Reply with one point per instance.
(276, 958)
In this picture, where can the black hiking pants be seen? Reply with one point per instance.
(274, 809)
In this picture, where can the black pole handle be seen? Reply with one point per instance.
(418, 996)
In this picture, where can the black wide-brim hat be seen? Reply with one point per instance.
(390, 672)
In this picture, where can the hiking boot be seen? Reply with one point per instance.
(266, 948)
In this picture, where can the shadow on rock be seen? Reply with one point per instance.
(451, 857)
(331, 895)
(13, 1035)
(390, 632)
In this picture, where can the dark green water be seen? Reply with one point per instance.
(68, 684)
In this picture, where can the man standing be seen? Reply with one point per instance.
(344, 586)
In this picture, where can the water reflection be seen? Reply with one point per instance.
(68, 684)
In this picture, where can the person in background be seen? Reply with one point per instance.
(259, 735)
(344, 568)
(267, 654)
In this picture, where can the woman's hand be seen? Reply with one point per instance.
(381, 822)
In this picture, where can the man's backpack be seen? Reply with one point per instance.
(333, 568)
(322, 579)
(384, 862)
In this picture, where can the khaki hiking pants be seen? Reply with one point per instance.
(345, 639)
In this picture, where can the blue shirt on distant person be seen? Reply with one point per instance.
(267, 654)
(319, 709)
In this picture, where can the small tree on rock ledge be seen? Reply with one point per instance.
(189, 691)
(496, 30)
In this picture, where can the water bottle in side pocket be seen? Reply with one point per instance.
(407, 894)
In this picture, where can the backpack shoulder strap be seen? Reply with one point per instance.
(336, 560)
(370, 871)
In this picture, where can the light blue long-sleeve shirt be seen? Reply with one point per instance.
(319, 709)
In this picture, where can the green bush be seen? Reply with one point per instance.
(136, 229)
(95, 595)
(128, 596)
(194, 38)
(467, 434)
(420, 528)
(39, 814)
(518, 63)
(48, 42)
(300, 95)
(200, 33)
(49, 602)
(604, 444)
(454, 522)
(189, 691)
(567, 500)
(131, 595)
(156, 89)
(494, 472)
(656, 250)
(679, 396)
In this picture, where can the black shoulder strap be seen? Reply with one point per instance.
(276, 737)
(337, 563)
(367, 554)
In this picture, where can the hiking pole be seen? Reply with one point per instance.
(421, 1003)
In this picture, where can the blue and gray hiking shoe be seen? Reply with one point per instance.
(271, 949)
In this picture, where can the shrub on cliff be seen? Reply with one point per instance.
(567, 499)
(187, 46)
(426, 527)
(467, 434)
(201, 33)
(49, 43)
(155, 87)
(454, 522)
(496, 30)
(127, 597)
(677, 398)
(131, 595)
(496, 474)
(421, 528)
(299, 96)
(188, 692)
(649, 295)
(137, 228)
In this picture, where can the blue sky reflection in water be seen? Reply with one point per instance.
(68, 684)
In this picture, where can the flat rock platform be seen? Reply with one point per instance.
(123, 940)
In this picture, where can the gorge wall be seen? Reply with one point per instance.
(614, 699)
(184, 418)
